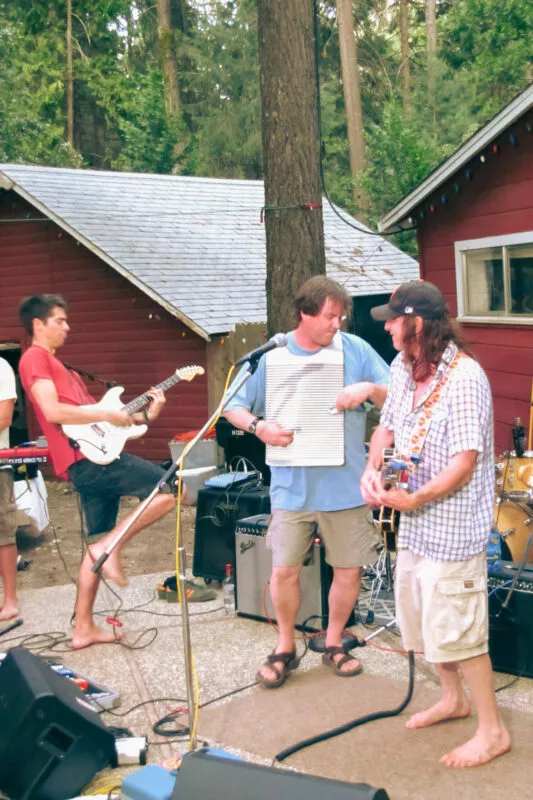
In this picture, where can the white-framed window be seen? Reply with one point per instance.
(495, 279)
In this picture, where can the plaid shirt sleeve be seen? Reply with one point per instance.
(470, 404)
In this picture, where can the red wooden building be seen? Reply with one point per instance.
(160, 272)
(116, 330)
(474, 218)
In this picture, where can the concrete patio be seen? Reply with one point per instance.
(257, 724)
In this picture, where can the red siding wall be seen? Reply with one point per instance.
(498, 200)
(116, 331)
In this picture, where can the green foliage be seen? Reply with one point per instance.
(31, 97)
(121, 121)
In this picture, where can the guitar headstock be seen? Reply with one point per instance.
(188, 373)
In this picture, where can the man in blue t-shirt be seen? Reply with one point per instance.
(328, 496)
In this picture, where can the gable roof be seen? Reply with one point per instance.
(195, 245)
(474, 145)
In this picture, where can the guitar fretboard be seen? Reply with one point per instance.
(143, 400)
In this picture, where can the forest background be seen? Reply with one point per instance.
(172, 86)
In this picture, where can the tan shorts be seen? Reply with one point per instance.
(8, 510)
(442, 607)
(348, 536)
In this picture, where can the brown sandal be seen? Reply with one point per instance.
(329, 660)
(287, 662)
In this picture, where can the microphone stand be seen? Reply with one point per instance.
(182, 565)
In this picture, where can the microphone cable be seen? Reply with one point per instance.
(322, 737)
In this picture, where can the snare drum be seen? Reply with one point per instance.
(514, 523)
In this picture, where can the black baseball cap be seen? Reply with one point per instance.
(412, 299)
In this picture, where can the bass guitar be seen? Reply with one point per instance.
(103, 442)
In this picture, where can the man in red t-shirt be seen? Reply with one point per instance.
(60, 397)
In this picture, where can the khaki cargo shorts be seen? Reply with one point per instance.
(8, 509)
(442, 607)
(348, 536)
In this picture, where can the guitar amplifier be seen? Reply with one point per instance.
(254, 565)
(511, 627)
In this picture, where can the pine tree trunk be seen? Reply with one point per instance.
(431, 40)
(291, 153)
(404, 46)
(167, 58)
(70, 78)
(352, 101)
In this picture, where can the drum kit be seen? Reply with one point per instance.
(513, 509)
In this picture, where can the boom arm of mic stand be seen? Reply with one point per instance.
(181, 550)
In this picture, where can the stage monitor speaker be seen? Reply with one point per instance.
(253, 568)
(237, 444)
(51, 741)
(217, 512)
(203, 776)
(511, 628)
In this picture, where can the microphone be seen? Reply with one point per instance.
(279, 340)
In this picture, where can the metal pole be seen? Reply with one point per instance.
(185, 622)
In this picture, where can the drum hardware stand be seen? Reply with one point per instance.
(395, 472)
(383, 579)
(384, 576)
(182, 566)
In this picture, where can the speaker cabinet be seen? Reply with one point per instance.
(511, 628)
(217, 512)
(253, 568)
(51, 741)
(203, 776)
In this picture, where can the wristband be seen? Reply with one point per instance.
(253, 425)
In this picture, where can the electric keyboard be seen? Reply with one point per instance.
(13, 456)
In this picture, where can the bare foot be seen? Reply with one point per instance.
(8, 612)
(479, 750)
(439, 712)
(94, 635)
(112, 568)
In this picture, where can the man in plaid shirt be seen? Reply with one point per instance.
(439, 409)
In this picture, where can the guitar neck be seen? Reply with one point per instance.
(143, 400)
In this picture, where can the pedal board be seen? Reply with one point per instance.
(98, 696)
(231, 480)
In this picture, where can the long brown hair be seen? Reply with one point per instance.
(435, 336)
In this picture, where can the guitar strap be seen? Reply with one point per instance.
(91, 376)
(421, 429)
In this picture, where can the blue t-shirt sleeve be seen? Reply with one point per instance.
(370, 366)
(252, 394)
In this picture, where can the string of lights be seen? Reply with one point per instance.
(467, 175)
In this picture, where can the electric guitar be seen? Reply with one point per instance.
(103, 442)
(393, 474)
